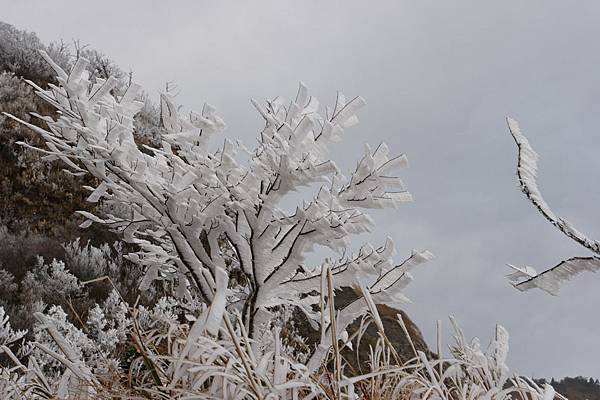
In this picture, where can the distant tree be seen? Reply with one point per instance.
(578, 388)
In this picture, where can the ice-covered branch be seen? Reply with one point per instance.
(527, 171)
(549, 280)
(527, 277)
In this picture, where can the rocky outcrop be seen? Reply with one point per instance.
(393, 331)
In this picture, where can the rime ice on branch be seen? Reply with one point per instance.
(527, 277)
(198, 215)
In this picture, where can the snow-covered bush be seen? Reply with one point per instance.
(197, 214)
(45, 285)
(105, 264)
(51, 280)
(63, 283)
(99, 342)
(89, 262)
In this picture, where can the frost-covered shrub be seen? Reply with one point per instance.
(77, 339)
(37, 194)
(100, 342)
(58, 282)
(196, 216)
(51, 280)
(88, 262)
(108, 324)
(51, 283)
(19, 54)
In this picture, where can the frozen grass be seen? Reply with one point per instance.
(184, 361)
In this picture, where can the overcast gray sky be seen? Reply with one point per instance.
(439, 77)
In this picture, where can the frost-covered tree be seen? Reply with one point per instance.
(205, 219)
(19, 54)
(525, 278)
